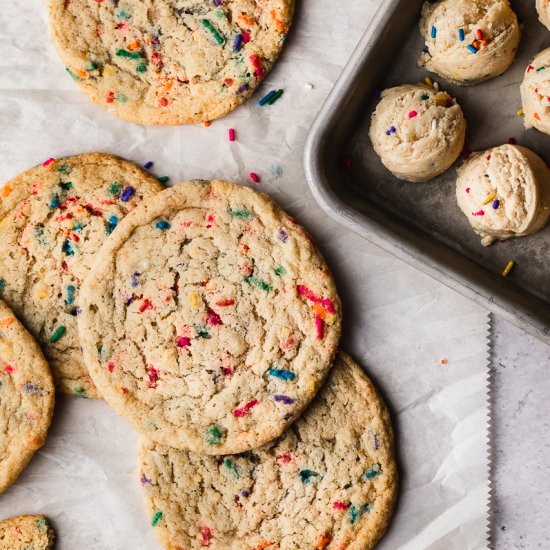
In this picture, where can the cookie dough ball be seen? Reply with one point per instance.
(543, 7)
(468, 41)
(504, 192)
(417, 131)
(535, 93)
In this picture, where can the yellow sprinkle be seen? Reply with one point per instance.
(520, 112)
(489, 199)
(108, 71)
(194, 300)
(508, 268)
(42, 293)
(429, 82)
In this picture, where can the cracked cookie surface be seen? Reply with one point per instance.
(26, 533)
(53, 218)
(329, 482)
(169, 61)
(26, 394)
(210, 320)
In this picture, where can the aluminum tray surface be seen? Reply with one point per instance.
(421, 223)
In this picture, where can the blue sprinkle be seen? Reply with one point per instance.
(32, 389)
(282, 374)
(67, 248)
(2, 286)
(276, 170)
(355, 512)
(162, 225)
(113, 222)
(461, 35)
(496, 204)
(434, 31)
(245, 493)
(77, 227)
(306, 475)
(127, 194)
(266, 98)
(134, 279)
(71, 289)
(472, 48)
(148, 165)
(238, 43)
(373, 472)
(55, 201)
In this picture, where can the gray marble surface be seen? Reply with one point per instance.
(521, 439)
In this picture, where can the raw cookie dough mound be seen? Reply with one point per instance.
(210, 320)
(329, 482)
(26, 394)
(169, 61)
(504, 192)
(535, 93)
(26, 533)
(543, 9)
(468, 41)
(53, 218)
(417, 131)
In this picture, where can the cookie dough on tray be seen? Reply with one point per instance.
(329, 482)
(543, 9)
(504, 192)
(417, 131)
(535, 93)
(468, 41)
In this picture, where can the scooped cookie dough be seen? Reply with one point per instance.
(543, 9)
(169, 61)
(329, 482)
(504, 192)
(26, 533)
(535, 93)
(53, 219)
(468, 41)
(417, 131)
(210, 320)
(26, 396)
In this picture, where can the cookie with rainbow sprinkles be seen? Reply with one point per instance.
(210, 320)
(329, 482)
(53, 219)
(169, 61)
(26, 533)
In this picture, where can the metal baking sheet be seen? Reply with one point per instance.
(421, 223)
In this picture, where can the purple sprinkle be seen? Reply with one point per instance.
(78, 310)
(288, 416)
(283, 235)
(496, 204)
(148, 165)
(238, 42)
(243, 88)
(155, 42)
(283, 399)
(130, 301)
(376, 442)
(245, 493)
(127, 194)
(134, 278)
(391, 131)
(144, 479)
(217, 3)
(32, 388)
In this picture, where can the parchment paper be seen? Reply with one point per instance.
(398, 323)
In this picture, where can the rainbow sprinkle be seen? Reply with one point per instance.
(254, 177)
(231, 133)
(282, 374)
(127, 194)
(461, 35)
(509, 266)
(217, 36)
(156, 519)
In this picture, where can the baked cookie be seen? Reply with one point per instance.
(26, 533)
(543, 9)
(209, 321)
(26, 395)
(329, 482)
(53, 218)
(535, 91)
(468, 41)
(169, 61)
(417, 131)
(504, 192)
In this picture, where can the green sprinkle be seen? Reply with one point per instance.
(2, 286)
(41, 523)
(64, 169)
(202, 332)
(66, 185)
(373, 472)
(540, 69)
(280, 271)
(163, 179)
(73, 75)
(92, 67)
(141, 68)
(217, 36)
(276, 96)
(128, 55)
(121, 97)
(114, 189)
(59, 332)
(253, 281)
(231, 466)
(424, 97)
(244, 213)
(79, 391)
(214, 435)
(306, 475)
(156, 518)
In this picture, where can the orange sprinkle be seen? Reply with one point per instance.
(443, 361)
(207, 124)
(81, 73)
(264, 544)
(323, 541)
(246, 20)
(278, 23)
(8, 321)
(537, 116)
(319, 310)
(149, 40)
(6, 191)
(133, 46)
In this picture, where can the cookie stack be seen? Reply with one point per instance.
(205, 316)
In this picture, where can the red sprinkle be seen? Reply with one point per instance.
(480, 213)
(254, 177)
(184, 342)
(9, 368)
(163, 102)
(320, 327)
(467, 189)
(111, 367)
(231, 134)
(213, 318)
(206, 535)
(229, 82)
(347, 161)
(246, 37)
(245, 411)
(511, 141)
(258, 70)
(225, 303)
(48, 162)
(339, 505)
(285, 458)
(153, 375)
(479, 34)
(110, 97)
(146, 304)
(412, 114)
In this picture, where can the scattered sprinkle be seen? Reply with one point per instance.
(164, 179)
(391, 131)
(489, 199)
(520, 112)
(429, 81)
(412, 114)
(434, 31)
(111, 225)
(128, 55)
(231, 133)
(509, 266)
(254, 177)
(245, 411)
(276, 170)
(148, 165)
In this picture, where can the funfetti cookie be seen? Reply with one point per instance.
(329, 482)
(26, 396)
(26, 533)
(169, 61)
(210, 320)
(53, 218)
